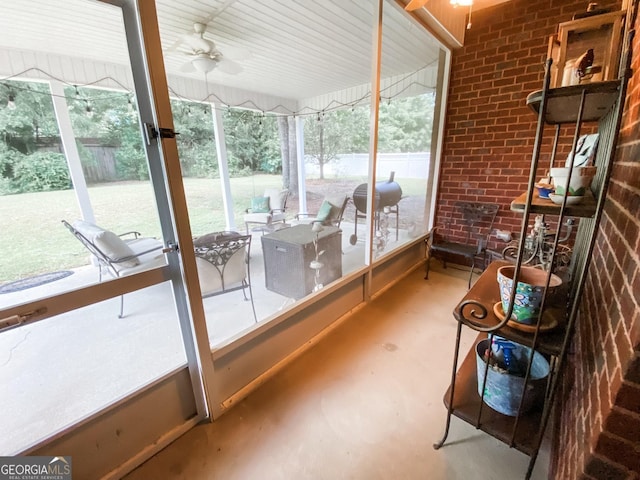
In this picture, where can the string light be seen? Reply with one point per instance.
(279, 109)
(11, 102)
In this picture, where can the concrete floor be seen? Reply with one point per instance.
(95, 348)
(364, 403)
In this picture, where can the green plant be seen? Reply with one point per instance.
(198, 160)
(5, 186)
(9, 157)
(41, 171)
(131, 163)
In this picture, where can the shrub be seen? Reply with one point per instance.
(131, 163)
(41, 171)
(199, 161)
(9, 157)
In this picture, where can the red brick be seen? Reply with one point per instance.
(601, 468)
(633, 371)
(619, 451)
(628, 397)
(624, 424)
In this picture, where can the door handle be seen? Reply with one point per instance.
(171, 247)
(20, 318)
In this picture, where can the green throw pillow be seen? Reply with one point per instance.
(260, 205)
(324, 213)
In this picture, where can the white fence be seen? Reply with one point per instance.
(406, 165)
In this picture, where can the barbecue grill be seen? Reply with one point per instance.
(387, 195)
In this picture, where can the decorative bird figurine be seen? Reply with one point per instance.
(583, 63)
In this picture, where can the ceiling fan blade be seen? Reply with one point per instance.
(238, 54)
(187, 68)
(229, 66)
(415, 4)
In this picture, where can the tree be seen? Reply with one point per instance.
(251, 141)
(283, 134)
(331, 134)
(30, 118)
(405, 124)
(293, 155)
(196, 142)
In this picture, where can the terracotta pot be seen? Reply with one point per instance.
(529, 291)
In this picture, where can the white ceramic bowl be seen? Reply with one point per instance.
(580, 180)
(571, 199)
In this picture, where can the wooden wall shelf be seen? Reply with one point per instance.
(564, 102)
(586, 208)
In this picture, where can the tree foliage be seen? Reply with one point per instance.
(331, 134)
(405, 124)
(41, 171)
(253, 140)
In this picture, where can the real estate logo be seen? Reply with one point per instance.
(35, 468)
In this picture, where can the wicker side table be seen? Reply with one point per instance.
(288, 252)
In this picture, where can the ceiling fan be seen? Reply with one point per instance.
(203, 54)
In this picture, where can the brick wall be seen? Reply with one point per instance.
(487, 151)
(490, 131)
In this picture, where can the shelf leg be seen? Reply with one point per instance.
(439, 444)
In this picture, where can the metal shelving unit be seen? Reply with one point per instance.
(600, 102)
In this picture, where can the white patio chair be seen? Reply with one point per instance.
(117, 255)
(273, 210)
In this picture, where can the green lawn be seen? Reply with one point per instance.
(34, 241)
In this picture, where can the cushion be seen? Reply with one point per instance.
(325, 211)
(260, 205)
(114, 247)
(87, 229)
(277, 198)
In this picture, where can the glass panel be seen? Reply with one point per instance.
(72, 149)
(337, 167)
(41, 257)
(409, 74)
(261, 126)
(89, 352)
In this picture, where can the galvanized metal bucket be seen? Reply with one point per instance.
(503, 391)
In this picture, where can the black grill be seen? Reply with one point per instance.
(387, 194)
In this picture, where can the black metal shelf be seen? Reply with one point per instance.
(485, 293)
(600, 102)
(467, 404)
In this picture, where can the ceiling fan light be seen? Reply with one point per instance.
(204, 64)
(461, 3)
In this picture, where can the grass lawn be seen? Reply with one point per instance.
(34, 241)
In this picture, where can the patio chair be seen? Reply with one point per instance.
(475, 226)
(117, 255)
(330, 213)
(268, 209)
(223, 264)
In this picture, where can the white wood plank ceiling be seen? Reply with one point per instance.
(287, 49)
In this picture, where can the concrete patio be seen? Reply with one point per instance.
(66, 368)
